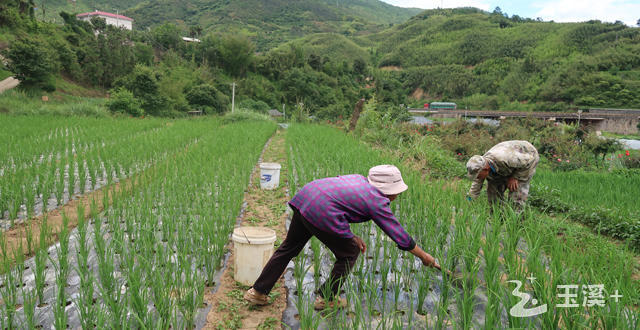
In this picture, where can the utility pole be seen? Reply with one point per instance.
(579, 112)
(233, 96)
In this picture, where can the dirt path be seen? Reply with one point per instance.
(16, 237)
(267, 209)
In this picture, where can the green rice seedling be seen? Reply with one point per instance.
(59, 316)
(60, 185)
(29, 308)
(9, 290)
(370, 290)
(306, 312)
(397, 289)
(491, 252)
(424, 279)
(71, 182)
(29, 237)
(30, 200)
(160, 288)
(315, 247)
(298, 272)
(93, 173)
(442, 307)
(39, 272)
(139, 295)
(14, 203)
(82, 175)
(110, 287)
(85, 302)
(192, 298)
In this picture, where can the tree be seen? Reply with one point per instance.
(236, 53)
(143, 82)
(99, 23)
(638, 22)
(167, 36)
(33, 63)
(359, 66)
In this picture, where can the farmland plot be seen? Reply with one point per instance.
(486, 252)
(49, 160)
(602, 200)
(145, 261)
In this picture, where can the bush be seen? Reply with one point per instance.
(207, 98)
(243, 115)
(632, 161)
(123, 101)
(249, 104)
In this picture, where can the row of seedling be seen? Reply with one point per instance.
(30, 190)
(480, 251)
(146, 261)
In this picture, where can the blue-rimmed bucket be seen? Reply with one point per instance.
(269, 175)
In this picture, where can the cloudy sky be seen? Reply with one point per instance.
(627, 11)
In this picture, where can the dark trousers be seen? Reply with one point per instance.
(300, 231)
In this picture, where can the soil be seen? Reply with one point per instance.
(391, 68)
(16, 235)
(265, 208)
(418, 94)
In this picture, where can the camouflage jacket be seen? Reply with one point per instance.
(517, 159)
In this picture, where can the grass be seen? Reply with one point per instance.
(601, 200)
(4, 74)
(18, 102)
(621, 136)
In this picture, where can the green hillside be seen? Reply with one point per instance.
(269, 22)
(272, 22)
(489, 61)
(300, 53)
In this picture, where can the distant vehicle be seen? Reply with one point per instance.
(441, 106)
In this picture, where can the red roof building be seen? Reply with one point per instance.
(110, 18)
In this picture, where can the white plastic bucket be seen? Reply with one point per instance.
(269, 175)
(253, 247)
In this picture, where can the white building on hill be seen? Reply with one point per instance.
(111, 19)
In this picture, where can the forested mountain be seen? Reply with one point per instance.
(487, 60)
(478, 59)
(270, 22)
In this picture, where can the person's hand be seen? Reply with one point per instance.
(429, 261)
(360, 243)
(512, 184)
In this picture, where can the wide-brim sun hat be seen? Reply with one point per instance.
(387, 179)
(474, 165)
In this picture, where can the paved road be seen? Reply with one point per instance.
(8, 83)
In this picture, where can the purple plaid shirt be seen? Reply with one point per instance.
(330, 204)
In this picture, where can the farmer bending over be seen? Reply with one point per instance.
(509, 164)
(324, 208)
